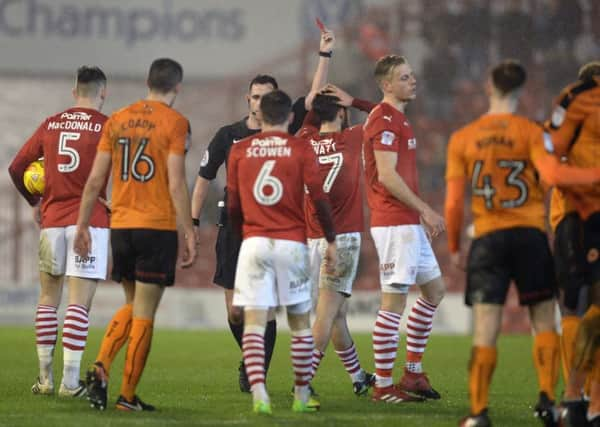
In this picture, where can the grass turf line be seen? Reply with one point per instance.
(191, 377)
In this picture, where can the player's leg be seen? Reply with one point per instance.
(46, 330)
(255, 291)
(83, 274)
(293, 285)
(420, 320)
(487, 321)
(145, 303)
(346, 351)
(568, 263)
(52, 255)
(74, 334)
(488, 279)
(398, 268)
(302, 346)
(535, 279)
(117, 331)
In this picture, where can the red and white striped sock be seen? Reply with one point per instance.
(302, 352)
(253, 348)
(418, 328)
(46, 329)
(74, 337)
(317, 356)
(385, 345)
(349, 358)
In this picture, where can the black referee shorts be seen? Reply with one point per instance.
(227, 250)
(521, 254)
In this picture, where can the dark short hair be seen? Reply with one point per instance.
(164, 75)
(89, 80)
(589, 71)
(263, 79)
(275, 107)
(508, 76)
(326, 107)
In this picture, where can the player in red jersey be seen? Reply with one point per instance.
(403, 247)
(265, 186)
(67, 141)
(339, 154)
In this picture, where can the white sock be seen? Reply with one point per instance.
(45, 356)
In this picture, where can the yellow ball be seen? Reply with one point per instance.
(33, 178)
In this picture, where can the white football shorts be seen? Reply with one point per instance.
(405, 257)
(57, 256)
(271, 273)
(348, 253)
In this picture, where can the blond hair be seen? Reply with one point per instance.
(385, 66)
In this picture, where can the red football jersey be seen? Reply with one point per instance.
(67, 141)
(387, 129)
(267, 172)
(339, 155)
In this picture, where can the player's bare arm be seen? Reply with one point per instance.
(93, 186)
(389, 178)
(181, 201)
(198, 199)
(326, 46)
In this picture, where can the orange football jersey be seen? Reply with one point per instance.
(575, 130)
(496, 154)
(140, 138)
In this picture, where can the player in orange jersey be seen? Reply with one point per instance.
(145, 143)
(502, 155)
(68, 142)
(575, 130)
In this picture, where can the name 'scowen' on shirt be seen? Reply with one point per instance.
(274, 146)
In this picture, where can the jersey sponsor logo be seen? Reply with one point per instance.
(387, 137)
(77, 115)
(85, 262)
(412, 143)
(323, 146)
(205, 159)
(269, 147)
(558, 116)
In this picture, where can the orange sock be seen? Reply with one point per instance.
(481, 369)
(593, 310)
(569, 326)
(546, 358)
(594, 376)
(115, 336)
(140, 339)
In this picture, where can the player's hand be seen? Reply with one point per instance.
(330, 258)
(327, 41)
(189, 252)
(345, 98)
(82, 243)
(434, 222)
(35, 212)
(455, 261)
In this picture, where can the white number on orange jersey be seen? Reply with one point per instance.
(265, 179)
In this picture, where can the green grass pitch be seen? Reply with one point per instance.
(191, 377)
